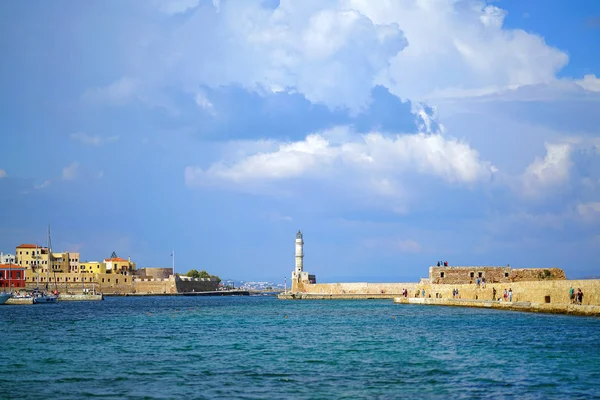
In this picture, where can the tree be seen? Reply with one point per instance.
(203, 274)
(192, 273)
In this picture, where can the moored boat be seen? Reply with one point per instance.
(4, 297)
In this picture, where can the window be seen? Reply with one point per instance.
(441, 274)
(480, 274)
(102, 280)
(26, 252)
(472, 274)
(117, 281)
(506, 274)
(18, 275)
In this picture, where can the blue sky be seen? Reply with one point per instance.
(393, 134)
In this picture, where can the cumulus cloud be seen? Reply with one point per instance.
(71, 171)
(549, 171)
(589, 82)
(460, 49)
(92, 140)
(335, 51)
(3, 174)
(376, 161)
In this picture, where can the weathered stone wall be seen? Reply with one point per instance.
(154, 286)
(536, 274)
(540, 291)
(360, 288)
(492, 274)
(554, 291)
(156, 273)
(187, 284)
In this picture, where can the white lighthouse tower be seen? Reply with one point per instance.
(299, 253)
(301, 279)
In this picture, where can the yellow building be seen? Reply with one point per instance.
(35, 259)
(92, 267)
(65, 262)
(117, 265)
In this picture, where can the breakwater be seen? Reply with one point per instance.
(571, 309)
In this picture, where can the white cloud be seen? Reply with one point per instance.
(460, 48)
(118, 92)
(589, 212)
(92, 140)
(378, 161)
(71, 171)
(3, 174)
(204, 103)
(550, 171)
(45, 184)
(589, 82)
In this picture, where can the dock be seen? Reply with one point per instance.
(80, 297)
(552, 308)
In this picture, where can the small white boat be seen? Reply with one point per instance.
(4, 297)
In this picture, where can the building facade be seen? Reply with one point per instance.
(92, 267)
(7, 258)
(12, 276)
(116, 265)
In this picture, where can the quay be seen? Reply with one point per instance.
(80, 297)
(554, 308)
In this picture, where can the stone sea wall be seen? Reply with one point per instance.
(545, 291)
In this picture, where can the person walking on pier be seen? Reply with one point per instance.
(572, 294)
(510, 293)
(579, 296)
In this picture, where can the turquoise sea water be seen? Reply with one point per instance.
(261, 347)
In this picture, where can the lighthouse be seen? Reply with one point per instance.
(299, 253)
(301, 279)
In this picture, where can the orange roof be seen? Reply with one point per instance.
(114, 259)
(27, 246)
(11, 266)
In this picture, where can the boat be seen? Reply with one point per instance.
(4, 297)
(44, 298)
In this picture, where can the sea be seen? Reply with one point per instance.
(259, 347)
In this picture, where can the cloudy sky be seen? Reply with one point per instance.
(393, 133)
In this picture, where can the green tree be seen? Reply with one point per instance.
(203, 274)
(192, 273)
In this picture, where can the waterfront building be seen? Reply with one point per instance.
(65, 262)
(117, 265)
(12, 276)
(7, 258)
(33, 258)
(92, 267)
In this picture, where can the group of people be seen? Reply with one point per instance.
(480, 282)
(442, 263)
(576, 298)
(506, 296)
(455, 293)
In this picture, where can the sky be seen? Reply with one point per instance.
(392, 133)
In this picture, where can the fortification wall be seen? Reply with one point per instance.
(361, 288)
(542, 291)
(536, 274)
(156, 273)
(156, 286)
(492, 274)
(186, 284)
(556, 291)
